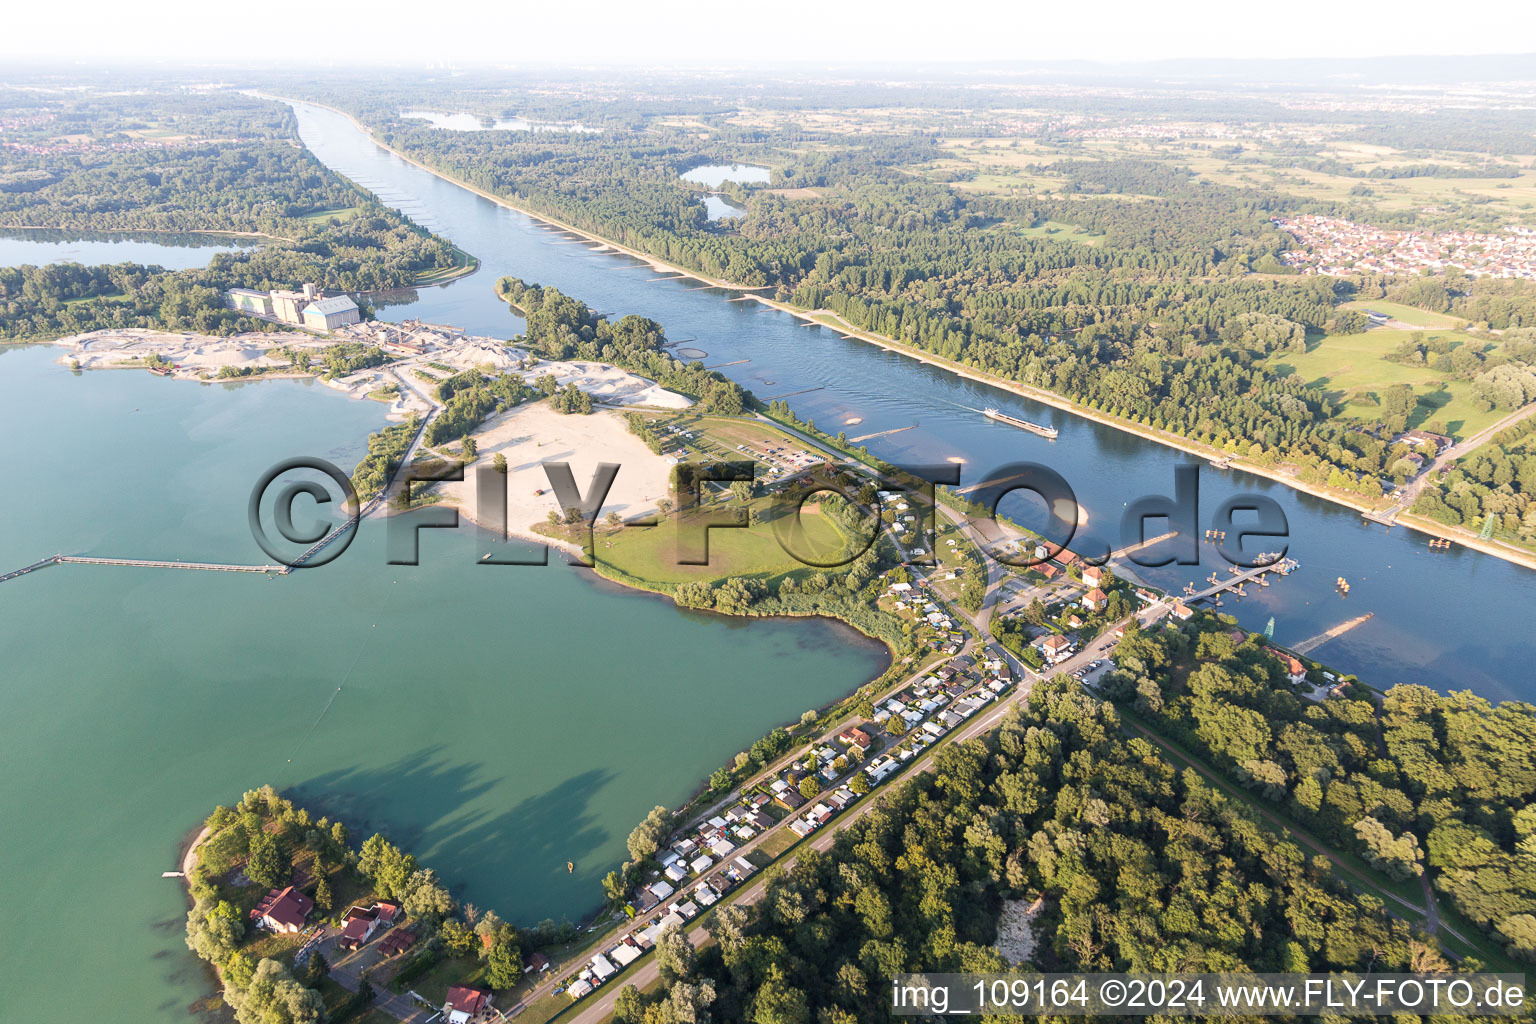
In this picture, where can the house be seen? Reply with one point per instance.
(1066, 558)
(1054, 646)
(854, 737)
(358, 927)
(1047, 570)
(1093, 576)
(537, 963)
(1074, 621)
(1294, 670)
(1095, 600)
(464, 1001)
(1425, 439)
(1182, 611)
(603, 968)
(329, 314)
(283, 910)
(659, 889)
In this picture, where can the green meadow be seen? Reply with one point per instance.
(1353, 369)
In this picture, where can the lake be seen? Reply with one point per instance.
(715, 175)
(171, 251)
(1450, 620)
(499, 721)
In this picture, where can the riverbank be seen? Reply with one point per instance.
(1208, 452)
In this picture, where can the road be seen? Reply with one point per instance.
(1410, 492)
(599, 1006)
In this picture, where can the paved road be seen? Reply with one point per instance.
(597, 1007)
(1460, 450)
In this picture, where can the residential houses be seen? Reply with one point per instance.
(1340, 247)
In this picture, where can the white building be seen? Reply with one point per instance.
(329, 314)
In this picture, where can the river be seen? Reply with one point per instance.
(1449, 620)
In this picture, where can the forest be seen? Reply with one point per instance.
(1138, 867)
(560, 327)
(1495, 487)
(1430, 785)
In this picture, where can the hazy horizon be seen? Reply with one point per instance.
(672, 34)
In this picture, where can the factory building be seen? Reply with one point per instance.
(307, 307)
(247, 301)
(329, 314)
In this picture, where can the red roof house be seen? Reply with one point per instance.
(855, 736)
(464, 1002)
(283, 910)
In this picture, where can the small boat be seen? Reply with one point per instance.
(570, 866)
(1013, 421)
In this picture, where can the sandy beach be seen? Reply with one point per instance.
(535, 433)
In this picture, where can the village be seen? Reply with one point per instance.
(1338, 248)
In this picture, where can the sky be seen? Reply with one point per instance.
(648, 32)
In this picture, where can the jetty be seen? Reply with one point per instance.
(41, 563)
(1312, 643)
(1283, 566)
(882, 433)
(153, 563)
(788, 394)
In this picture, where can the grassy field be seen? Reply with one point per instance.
(652, 555)
(1351, 368)
(345, 213)
(1060, 232)
(1407, 314)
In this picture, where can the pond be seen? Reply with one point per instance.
(718, 208)
(715, 175)
(169, 250)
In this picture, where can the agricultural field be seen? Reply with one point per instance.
(1353, 370)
